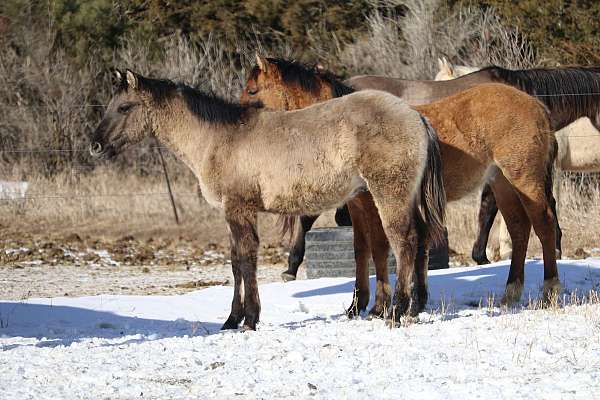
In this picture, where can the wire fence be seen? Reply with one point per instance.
(45, 196)
(87, 196)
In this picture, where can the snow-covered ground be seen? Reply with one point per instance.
(170, 347)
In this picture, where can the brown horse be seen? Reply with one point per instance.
(491, 133)
(249, 160)
(569, 94)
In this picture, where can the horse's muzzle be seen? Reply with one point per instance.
(101, 152)
(95, 149)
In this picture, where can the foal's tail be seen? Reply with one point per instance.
(432, 194)
(287, 225)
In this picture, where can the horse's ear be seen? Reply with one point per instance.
(446, 66)
(441, 63)
(118, 76)
(262, 63)
(132, 79)
(320, 68)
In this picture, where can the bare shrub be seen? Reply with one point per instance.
(409, 45)
(45, 103)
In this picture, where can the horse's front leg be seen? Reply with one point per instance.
(487, 213)
(342, 216)
(297, 251)
(237, 305)
(244, 243)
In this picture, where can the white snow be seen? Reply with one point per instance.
(170, 347)
(13, 190)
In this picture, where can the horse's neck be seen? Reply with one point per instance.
(189, 137)
(561, 113)
(561, 117)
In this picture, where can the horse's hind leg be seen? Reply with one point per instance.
(244, 239)
(537, 203)
(297, 251)
(519, 228)
(558, 231)
(487, 212)
(394, 205)
(421, 260)
(380, 249)
(362, 253)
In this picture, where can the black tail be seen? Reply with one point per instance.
(433, 195)
(549, 184)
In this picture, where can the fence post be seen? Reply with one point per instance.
(164, 165)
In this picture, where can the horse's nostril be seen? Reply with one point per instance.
(95, 148)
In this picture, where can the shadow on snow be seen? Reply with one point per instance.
(64, 325)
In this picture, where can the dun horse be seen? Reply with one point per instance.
(491, 132)
(569, 93)
(248, 160)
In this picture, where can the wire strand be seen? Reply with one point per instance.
(87, 196)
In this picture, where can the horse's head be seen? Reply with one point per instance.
(265, 85)
(126, 120)
(285, 85)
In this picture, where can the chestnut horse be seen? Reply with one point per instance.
(249, 160)
(491, 132)
(568, 93)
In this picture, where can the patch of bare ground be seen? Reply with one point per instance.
(112, 233)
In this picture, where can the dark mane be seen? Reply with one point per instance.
(208, 107)
(574, 91)
(294, 72)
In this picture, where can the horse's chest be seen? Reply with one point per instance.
(210, 178)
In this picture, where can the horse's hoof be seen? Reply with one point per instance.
(378, 312)
(352, 312)
(481, 260)
(558, 254)
(246, 328)
(551, 291)
(403, 320)
(402, 306)
(287, 277)
(512, 294)
(230, 324)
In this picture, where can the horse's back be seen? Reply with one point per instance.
(507, 107)
(328, 147)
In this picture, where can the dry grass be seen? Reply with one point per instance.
(579, 216)
(98, 205)
(40, 105)
(108, 204)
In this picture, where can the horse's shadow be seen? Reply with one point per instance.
(469, 288)
(63, 325)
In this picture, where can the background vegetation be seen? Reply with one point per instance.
(55, 56)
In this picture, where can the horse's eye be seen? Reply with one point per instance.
(252, 92)
(125, 108)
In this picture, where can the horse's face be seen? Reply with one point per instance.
(265, 86)
(126, 121)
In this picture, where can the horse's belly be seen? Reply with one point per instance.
(310, 196)
(579, 158)
(460, 180)
(578, 145)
